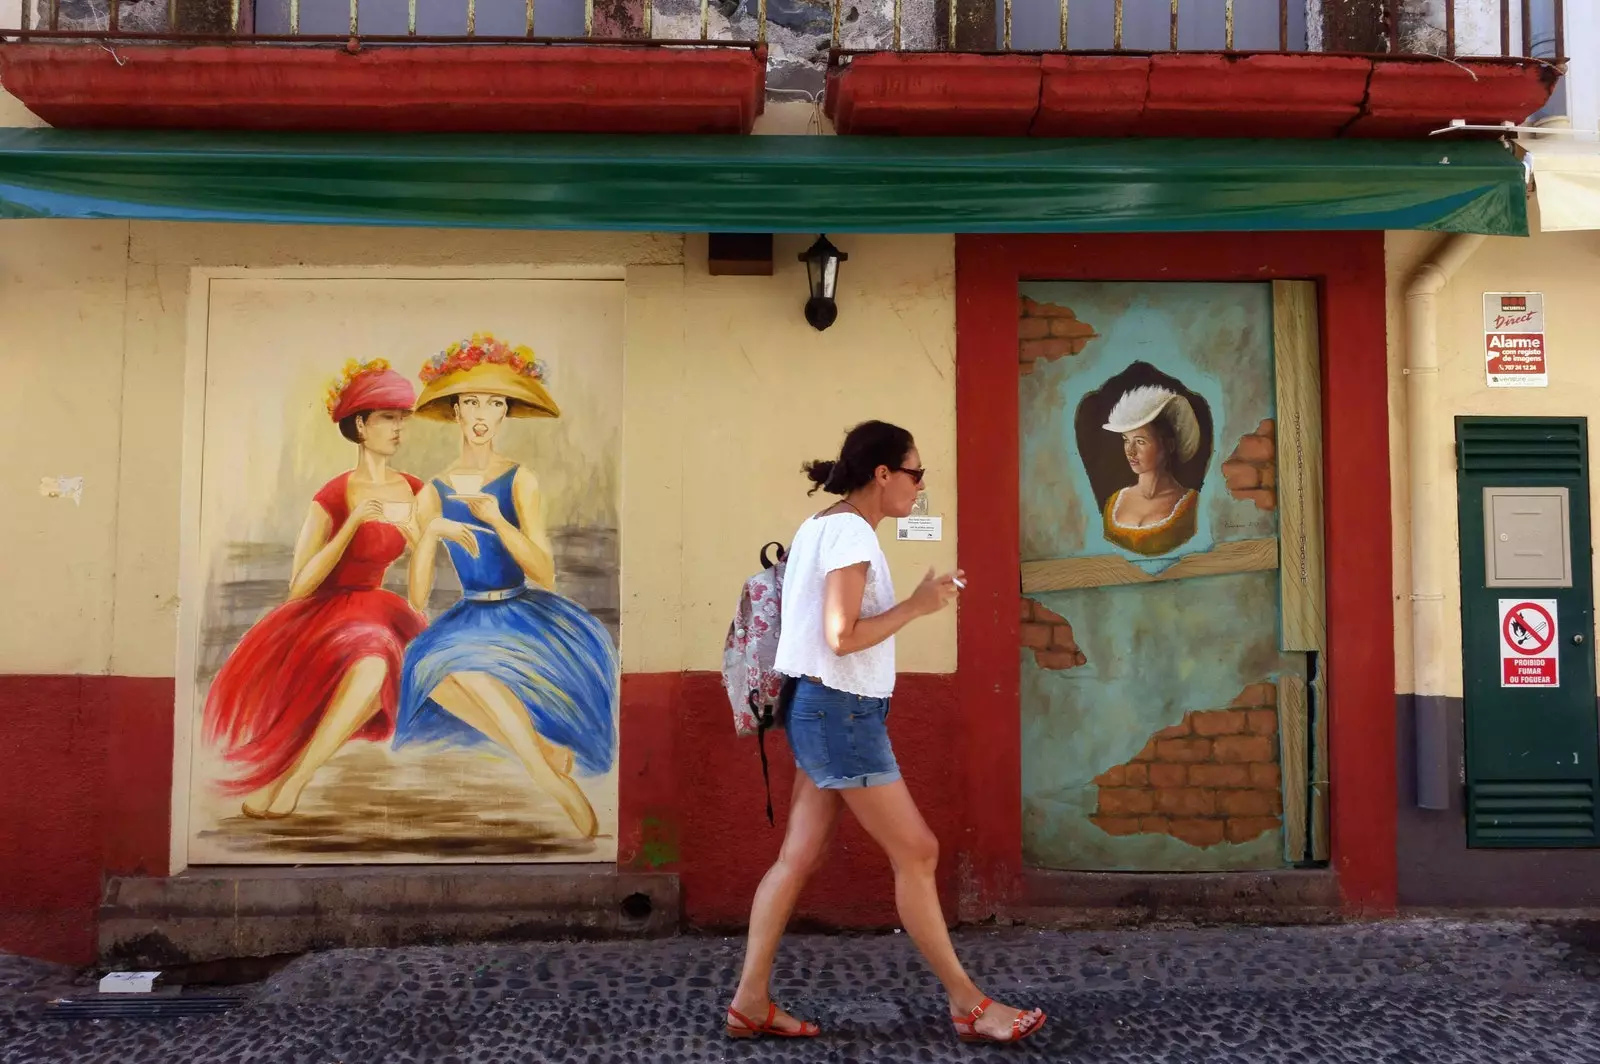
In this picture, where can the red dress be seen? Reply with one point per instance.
(270, 695)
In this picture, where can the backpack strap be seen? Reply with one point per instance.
(763, 722)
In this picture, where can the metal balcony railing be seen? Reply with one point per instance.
(1449, 28)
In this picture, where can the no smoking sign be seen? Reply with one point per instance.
(1528, 643)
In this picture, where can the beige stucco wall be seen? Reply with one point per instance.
(726, 390)
(1561, 265)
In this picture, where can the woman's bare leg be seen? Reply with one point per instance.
(891, 817)
(489, 705)
(813, 815)
(462, 706)
(354, 702)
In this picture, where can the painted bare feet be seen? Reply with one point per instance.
(990, 1021)
(274, 803)
(748, 1019)
(559, 758)
(576, 805)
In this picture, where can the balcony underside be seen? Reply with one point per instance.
(1177, 95)
(482, 88)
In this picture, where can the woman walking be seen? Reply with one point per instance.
(839, 622)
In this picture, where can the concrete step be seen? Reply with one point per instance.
(1066, 900)
(212, 914)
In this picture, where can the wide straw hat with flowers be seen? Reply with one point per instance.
(485, 366)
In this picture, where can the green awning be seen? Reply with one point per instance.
(763, 184)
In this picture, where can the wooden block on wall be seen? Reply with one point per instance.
(740, 255)
(1294, 733)
(1299, 456)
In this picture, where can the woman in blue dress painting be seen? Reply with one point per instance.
(512, 662)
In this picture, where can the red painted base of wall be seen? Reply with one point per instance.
(86, 781)
(476, 89)
(692, 801)
(85, 788)
(1189, 95)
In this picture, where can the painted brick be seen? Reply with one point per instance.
(1181, 730)
(1189, 750)
(1120, 801)
(1258, 694)
(1243, 829)
(1071, 328)
(1220, 775)
(1036, 636)
(1263, 722)
(1155, 825)
(1058, 659)
(1061, 636)
(1027, 610)
(1033, 309)
(1240, 476)
(1197, 832)
(1165, 775)
(1243, 748)
(1046, 615)
(1136, 775)
(1033, 328)
(1248, 803)
(1266, 776)
(1220, 722)
(1255, 449)
(1112, 777)
(1148, 753)
(1264, 500)
(1188, 801)
(1117, 825)
(1055, 347)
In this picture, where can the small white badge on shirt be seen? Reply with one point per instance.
(919, 528)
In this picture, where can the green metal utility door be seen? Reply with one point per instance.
(1527, 616)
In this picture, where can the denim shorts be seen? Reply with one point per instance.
(839, 739)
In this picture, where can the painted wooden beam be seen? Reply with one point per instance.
(1108, 570)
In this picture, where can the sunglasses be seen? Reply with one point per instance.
(916, 475)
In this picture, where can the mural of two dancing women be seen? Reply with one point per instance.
(512, 663)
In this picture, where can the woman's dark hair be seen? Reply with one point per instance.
(1162, 429)
(866, 447)
(347, 425)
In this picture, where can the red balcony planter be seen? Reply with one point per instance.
(1178, 95)
(474, 88)
(937, 95)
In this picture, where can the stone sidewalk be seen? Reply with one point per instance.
(1418, 991)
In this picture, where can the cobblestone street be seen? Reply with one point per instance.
(1413, 991)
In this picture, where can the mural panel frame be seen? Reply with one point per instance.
(192, 574)
(1348, 269)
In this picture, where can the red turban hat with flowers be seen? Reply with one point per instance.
(367, 386)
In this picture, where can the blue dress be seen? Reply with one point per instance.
(550, 652)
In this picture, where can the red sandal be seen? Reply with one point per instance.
(967, 1028)
(748, 1028)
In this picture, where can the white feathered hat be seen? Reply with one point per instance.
(1140, 406)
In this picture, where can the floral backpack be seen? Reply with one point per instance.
(758, 694)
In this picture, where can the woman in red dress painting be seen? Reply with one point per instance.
(324, 667)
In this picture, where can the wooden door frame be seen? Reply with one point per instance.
(1349, 270)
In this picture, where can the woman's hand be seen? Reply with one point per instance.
(370, 510)
(455, 532)
(485, 508)
(935, 592)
